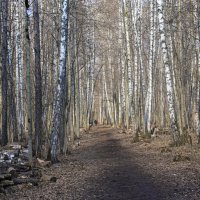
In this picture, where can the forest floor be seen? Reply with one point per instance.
(108, 166)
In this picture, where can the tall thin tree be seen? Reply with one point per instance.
(168, 74)
(38, 81)
(61, 85)
(28, 78)
(4, 71)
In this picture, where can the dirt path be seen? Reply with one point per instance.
(107, 166)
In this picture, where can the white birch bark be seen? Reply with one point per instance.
(108, 104)
(123, 98)
(125, 61)
(167, 69)
(60, 90)
(89, 92)
(77, 84)
(148, 104)
(122, 68)
(138, 71)
(128, 51)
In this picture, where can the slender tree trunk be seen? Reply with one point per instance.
(77, 88)
(168, 74)
(148, 104)
(61, 86)
(38, 81)
(126, 18)
(137, 26)
(4, 53)
(124, 72)
(19, 75)
(28, 80)
(196, 87)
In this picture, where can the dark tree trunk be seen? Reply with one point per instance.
(28, 81)
(4, 71)
(0, 24)
(38, 82)
(12, 114)
(12, 106)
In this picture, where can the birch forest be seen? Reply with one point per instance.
(74, 71)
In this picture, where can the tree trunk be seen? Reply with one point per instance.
(61, 86)
(38, 82)
(4, 71)
(148, 104)
(19, 76)
(28, 79)
(169, 85)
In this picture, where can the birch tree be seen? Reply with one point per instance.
(166, 62)
(122, 94)
(77, 77)
(148, 105)
(139, 68)
(128, 70)
(61, 85)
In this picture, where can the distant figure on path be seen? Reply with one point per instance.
(93, 123)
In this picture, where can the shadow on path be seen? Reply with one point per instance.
(121, 177)
(103, 167)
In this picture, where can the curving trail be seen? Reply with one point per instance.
(107, 166)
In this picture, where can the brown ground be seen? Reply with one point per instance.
(108, 166)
